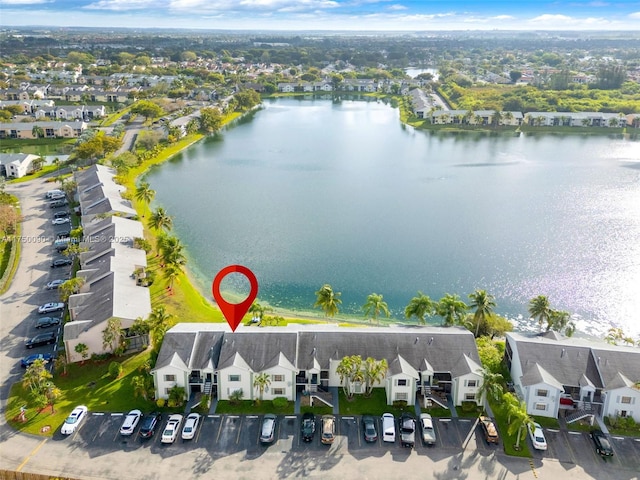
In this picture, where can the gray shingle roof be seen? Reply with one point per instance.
(625, 360)
(260, 350)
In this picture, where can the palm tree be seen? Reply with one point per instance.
(539, 308)
(347, 370)
(558, 320)
(37, 131)
(144, 193)
(484, 304)
(172, 273)
(139, 386)
(160, 220)
(375, 305)
(519, 420)
(491, 387)
(420, 306)
(261, 382)
(328, 300)
(171, 250)
(374, 372)
(70, 287)
(452, 309)
(83, 350)
(159, 317)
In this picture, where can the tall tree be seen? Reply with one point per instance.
(70, 287)
(483, 303)
(452, 309)
(83, 350)
(112, 334)
(144, 193)
(261, 382)
(328, 300)
(420, 306)
(350, 370)
(375, 305)
(491, 387)
(374, 372)
(540, 309)
(160, 220)
(519, 420)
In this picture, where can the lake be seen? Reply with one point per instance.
(312, 191)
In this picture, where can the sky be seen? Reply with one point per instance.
(359, 15)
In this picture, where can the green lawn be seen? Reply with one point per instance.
(438, 412)
(509, 441)
(376, 404)
(467, 412)
(546, 422)
(88, 384)
(579, 426)
(250, 407)
(318, 409)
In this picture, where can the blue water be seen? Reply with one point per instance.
(307, 192)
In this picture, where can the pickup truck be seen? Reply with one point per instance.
(489, 429)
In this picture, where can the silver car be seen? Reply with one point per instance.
(427, 430)
(268, 432)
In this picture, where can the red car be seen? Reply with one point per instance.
(566, 400)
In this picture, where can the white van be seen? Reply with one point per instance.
(53, 193)
(388, 428)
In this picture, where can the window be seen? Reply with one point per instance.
(623, 413)
(401, 382)
(166, 391)
(278, 391)
(169, 378)
(324, 375)
(470, 397)
(625, 400)
(472, 383)
(234, 378)
(402, 396)
(277, 378)
(541, 406)
(542, 393)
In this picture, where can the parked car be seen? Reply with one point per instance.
(130, 422)
(60, 221)
(537, 437)
(268, 431)
(369, 429)
(41, 339)
(53, 284)
(190, 426)
(566, 399)
(427, 430)
(26, 361)
(73, 421)
(407, 430)
(388, 428)
(61, 262)
(308, 426)
(63, 233)
(46, 322)
(601, 442)
(57, 196)
(170, 432)
(58, 203)
(61, 214)
(51, 193)
(149, 424)
(51, 307)
(489, 429)
(328, 429)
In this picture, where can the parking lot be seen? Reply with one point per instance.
(225, 435)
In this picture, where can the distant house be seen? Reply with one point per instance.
(99, 195)
(602, 379)
(422, 361)
(71, 129)
(16, 165)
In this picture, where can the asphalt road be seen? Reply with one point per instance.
(227, 447)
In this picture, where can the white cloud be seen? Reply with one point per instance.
(396, 7)
(119, 5)
(190, 6)
(635, 15)
(23, 2)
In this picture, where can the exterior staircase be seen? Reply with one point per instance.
(207, 388)
(580, 414)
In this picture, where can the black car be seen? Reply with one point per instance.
(42, 339)
(407, 430)
(149, 424)
(369, 429)
(308, 426)
(46, 322)
(61, 262)
(601, 442)
(65, 233)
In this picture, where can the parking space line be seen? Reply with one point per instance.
(97, 414)
(290, 416)
(347, 418)
(117, 414)
(213, 416)
(552, 430)
(239, 430)
(575, 433)
(219, 430)
(252, 416)
(618, 438)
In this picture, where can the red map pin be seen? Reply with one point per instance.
(234, 312)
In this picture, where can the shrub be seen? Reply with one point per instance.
(400, 404)
(161, 402)
(115, 369)
(236, 396)
(469, 406)
(280, 402)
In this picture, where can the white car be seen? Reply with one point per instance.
(130, 422)
(190, 426)
(172, 428)
(426, 427)
(53, 284)
(73, 421)
(51, 307)
(60, 221)
(537, 437)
